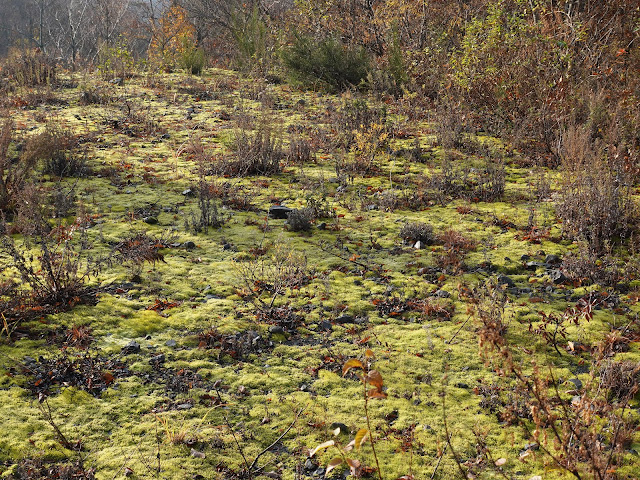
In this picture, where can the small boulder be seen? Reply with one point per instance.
(346, 318)
(505, 280)
(131, 347)
(552, 259)
(442, 294)
(150, 220)
(557, 277)
(279, 212)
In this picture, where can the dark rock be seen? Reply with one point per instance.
(525, 290)
(319, 472)
(131, 347)
(576, 383)
(326, 326)
(505, 280)
(188, 193)
(343, 428)
(357, 282)
(525, 258)
(552, 259)
(150, 220)
(622, 287)
(118, 81)
(189, 245)
(346, 318)
(373, 206)
(279, 211)
(462, 385)
(534, 265)
(557, 277)
(156, 359)
(171, 343)
(226, 246)
(136, 278)
(165, 136)
(321, 226)
(442, 294)
(309, 465)
(276, 330)
(29, 361)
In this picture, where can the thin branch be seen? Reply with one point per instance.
(255, 460)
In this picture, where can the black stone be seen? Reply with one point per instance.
(505, 280)
(345, 319)
(557, 277)
(131, 347)
(279, 212)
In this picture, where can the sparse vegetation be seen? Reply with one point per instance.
(196, 270)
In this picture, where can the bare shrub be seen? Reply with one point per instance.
(15, 170)
(257, 154)
(582, 267)
(410, 233)
(55, 278)
(53, 148)
(620, 379)
(357, 115)
(450, 127)
(139, 247)
(30, 67)
(299, 151)
(484, 183)
(595, 203)
(263, 278)
(299, 220)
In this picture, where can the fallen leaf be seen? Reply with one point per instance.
(353, 363)
(322, 446)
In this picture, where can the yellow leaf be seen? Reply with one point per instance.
(369, 353)
(333, 464)
(353, 363)
(361, 437)
(322, 446)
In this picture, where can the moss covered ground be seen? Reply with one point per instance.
(232, 355)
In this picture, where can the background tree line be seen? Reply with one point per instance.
(526, 68)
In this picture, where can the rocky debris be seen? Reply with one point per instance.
(189, 245)
(150, 220)
(442, 294)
